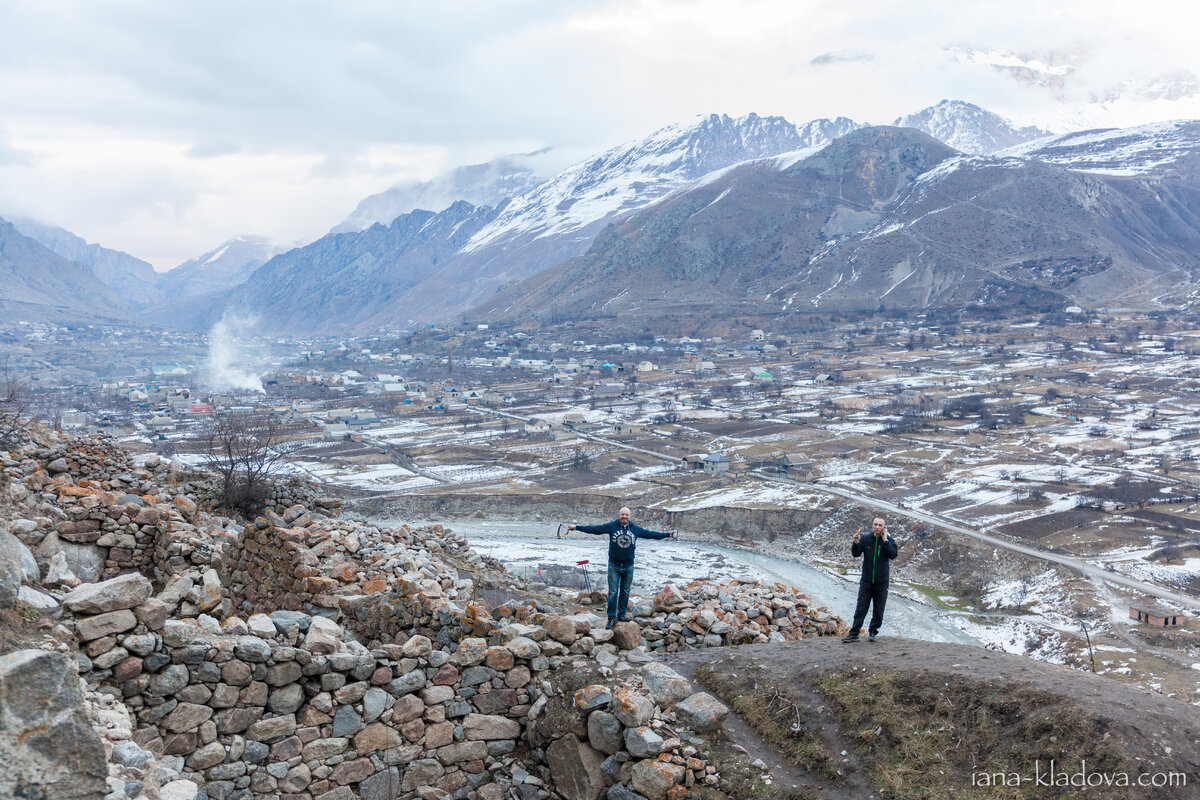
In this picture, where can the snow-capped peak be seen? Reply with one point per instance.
(967, 127)
(632, 175)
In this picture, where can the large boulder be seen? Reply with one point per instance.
(626, 635)
(604, 732)
(701, 712)
(575, 768)
(323, 637)
(46, 742)
(653, 778)
(666, 685)
(10, 568)
(123, 591)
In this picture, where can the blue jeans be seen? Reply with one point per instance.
(620, 578)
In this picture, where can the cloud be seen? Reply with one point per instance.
(834, 58)
(163, 128)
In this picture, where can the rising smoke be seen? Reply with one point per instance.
(232, 364)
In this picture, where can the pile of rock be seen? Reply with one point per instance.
(293, 491)
(90, 502)
(316, 658)
(705, 614)
(301, 562)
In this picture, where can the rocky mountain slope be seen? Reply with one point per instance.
(130, 277)
(371, 279)
(37, 284)
(882, 217)
(221, 268)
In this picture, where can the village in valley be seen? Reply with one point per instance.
(1071, 436)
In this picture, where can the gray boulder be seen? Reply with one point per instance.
(575, 768)
(666, 685)
(604, 732)
(701, 712)
(10, 568)
(49, 748)
(123, 591)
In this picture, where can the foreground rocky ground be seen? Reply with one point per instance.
(172, 652)
(159, 649)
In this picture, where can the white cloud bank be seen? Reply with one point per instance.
(162, 128)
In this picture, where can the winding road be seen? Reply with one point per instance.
(1088, 570)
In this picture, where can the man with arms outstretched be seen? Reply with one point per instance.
(622, 542)
(877, 552)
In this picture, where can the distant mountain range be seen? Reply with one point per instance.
(754, 215)
(891, 218)
(38, 285)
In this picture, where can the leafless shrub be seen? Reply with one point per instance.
(14, 405)
(245, 451)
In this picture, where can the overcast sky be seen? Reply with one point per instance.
(163, 128)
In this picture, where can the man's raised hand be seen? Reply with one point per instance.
(858, 536)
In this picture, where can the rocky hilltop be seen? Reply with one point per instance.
(308, 655)
(159, 649)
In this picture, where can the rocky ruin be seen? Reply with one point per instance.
(307, 655)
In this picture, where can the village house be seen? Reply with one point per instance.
(716, 464)
(537, 425)
(1155, 616)
(796, 466)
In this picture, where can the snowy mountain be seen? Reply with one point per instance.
(883, 217)
(583, 197)
(221, 268)
(134, 279)
(967, 127)
(427, 266)
(1161, 149)
(487, 184)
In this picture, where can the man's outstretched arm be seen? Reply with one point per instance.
(642, 533)
(604, 529)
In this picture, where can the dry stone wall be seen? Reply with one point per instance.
(308, 657)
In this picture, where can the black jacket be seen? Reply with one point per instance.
(622, 541)
(877, 557)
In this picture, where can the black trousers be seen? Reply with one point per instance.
(870, 594)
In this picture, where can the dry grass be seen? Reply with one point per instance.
(924, 735)
(777, 719)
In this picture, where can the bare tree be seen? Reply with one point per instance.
(14, 405)
(245, 451)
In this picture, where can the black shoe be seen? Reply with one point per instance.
(871, 638)
(622, 619)
(611, 622)
(851, 637)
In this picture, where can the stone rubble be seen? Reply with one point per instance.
(306, 656)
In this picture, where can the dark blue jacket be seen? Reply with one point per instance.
(622, 541)
(877, 557)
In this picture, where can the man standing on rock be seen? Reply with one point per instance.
(622, 541)
(877, 553)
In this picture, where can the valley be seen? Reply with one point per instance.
(1065, 443)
